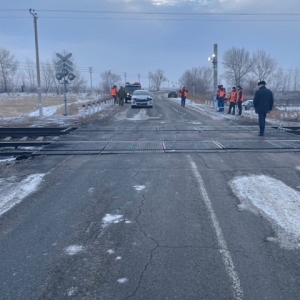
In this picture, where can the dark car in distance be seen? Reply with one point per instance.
(130, 88)
(172, 94)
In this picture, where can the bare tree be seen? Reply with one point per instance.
(238, 64)
(31, 75)
(78, 84)
(295, 79)
(263, 65)
(157, 78)
(198, 79)
(280, 82)
(108, 79)
(47, 78)
(8, 68)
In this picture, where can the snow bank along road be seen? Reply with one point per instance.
(160, 214)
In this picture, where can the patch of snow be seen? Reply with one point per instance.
(274, 200)
(7, 159)
(108, 219)
(110, 251)
(122, 280)
(72, 291)
(74, 249)
(13, 190)
(139, 187)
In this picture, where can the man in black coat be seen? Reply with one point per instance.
(263, 103)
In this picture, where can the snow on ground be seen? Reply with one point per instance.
(274, 200)
(74, 249)
(13, 190)
(109, 219)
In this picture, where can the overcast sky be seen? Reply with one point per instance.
(138, 36)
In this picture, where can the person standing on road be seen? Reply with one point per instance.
(113, 92)
(221, 96)
(232, 101)
(184, 94)
(240, 99)
(263, 103)
(121, 95)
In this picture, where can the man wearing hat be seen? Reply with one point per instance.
(263, 103)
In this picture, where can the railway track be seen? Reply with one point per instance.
(25, 140)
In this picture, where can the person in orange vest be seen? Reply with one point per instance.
(183, 94)
(221, 96)
(232, 101)
(114, 94)
(240, 99)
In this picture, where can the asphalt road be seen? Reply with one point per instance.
(141, 223)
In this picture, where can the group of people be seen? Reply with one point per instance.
(263, 102)
(118, 94)
(236, 97)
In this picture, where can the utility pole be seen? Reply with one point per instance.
(125, 77)
(91, 78)
(139, 78)
(40, 105)
(214, 59)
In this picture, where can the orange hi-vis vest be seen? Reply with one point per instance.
(232, 97)
(240, 96)
(185, 93)
(113, 91)
(222, 93)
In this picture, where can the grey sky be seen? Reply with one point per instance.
(173, 35)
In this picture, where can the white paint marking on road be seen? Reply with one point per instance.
(139, 187)
(108, 219)
(74, 249)
(13, 191)
(122, 280)
(225, 254)
(274, 200)
(175, 109)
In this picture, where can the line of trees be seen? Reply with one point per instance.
(23, 77)
(245, 69)
(240, 68)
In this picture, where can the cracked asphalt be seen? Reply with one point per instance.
(164, 241)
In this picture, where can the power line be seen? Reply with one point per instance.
(159, 13)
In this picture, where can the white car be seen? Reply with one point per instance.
(141, 98)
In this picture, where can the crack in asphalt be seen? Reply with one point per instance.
(146, 235)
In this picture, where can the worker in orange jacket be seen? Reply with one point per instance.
(183, 94)
(221, 96)
(114, 94)
(232, 100)
(240, 99)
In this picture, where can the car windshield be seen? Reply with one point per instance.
(141, 93)
(131, 89)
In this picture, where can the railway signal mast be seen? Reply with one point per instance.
(64, 75)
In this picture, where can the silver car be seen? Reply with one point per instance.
(248, 104)
(141, 98)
